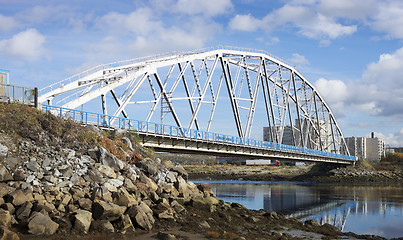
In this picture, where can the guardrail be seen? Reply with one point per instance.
(178, 132)
(17, 94)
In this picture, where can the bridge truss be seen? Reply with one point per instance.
(209, 89)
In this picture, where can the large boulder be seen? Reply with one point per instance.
(5, 174)
(5, 218)
(41, 224)
(8, 235)
(182, 172)
(142, 216)
(17, 198)
(82, 221)
(107, 211)
(124, 198)
(149, 165)
(106, 158)
(206, 204)
(24, 211)
(125, 224)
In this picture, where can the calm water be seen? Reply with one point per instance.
(360, 209)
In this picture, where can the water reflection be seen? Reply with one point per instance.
(363, 210)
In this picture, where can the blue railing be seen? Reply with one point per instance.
(174, 131)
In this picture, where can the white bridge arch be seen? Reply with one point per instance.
(184, 86)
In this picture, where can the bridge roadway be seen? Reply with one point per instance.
(169, 138)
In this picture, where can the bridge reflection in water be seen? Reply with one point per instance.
(363, 210)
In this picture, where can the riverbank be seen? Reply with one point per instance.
(242, 172)
(362, 173)
(61, 180)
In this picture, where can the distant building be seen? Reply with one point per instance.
(4, 77)
(4, 80)
(372, 148)
(318, 130)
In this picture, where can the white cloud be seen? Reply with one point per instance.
(389, 19)
(298, 59)
(385, 78)
(308, 22)
(245, 23)
(356, 9)
(335, 93)
(322, 27)
(142, 32)
(8, 23)
(26, 45)
(205, 7)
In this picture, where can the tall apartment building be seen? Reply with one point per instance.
(372, 148)
(292, 136)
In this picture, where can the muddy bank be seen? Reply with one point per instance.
(252, 173)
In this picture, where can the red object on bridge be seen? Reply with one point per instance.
(277, 163)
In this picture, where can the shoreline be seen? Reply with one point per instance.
(293, 174)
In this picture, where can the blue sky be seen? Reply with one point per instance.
(351, 50)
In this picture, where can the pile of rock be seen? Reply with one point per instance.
(48, 190)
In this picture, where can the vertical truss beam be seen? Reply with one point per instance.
(298, 108)
(252, 107)
(165, 95)
(203, 93)
(188, 94)
(230, 88)
(274, 127)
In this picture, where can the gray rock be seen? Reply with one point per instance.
(125, 224)
(107, 171)
(5, 174)
(85, 203)
(3, 151)
(127, 142)
(17, 198)
(182, 172)
(142, 216)
(82, 221)
(41, 224)
(110, 160)
(125, 199)
(8, 207)
(103, 226)
(206, 204)
(32, 165)
(149, 166)
(12, 162)
(23, 211)
(171, 177)
(107, 211)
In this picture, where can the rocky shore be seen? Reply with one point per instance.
(60, 180)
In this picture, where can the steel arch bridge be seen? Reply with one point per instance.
(188, 89)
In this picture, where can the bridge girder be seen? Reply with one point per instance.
(252, 79)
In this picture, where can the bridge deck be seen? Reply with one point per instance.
(178, 139)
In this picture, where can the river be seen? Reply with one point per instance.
(372, 209)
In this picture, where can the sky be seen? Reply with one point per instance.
(350, 50)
